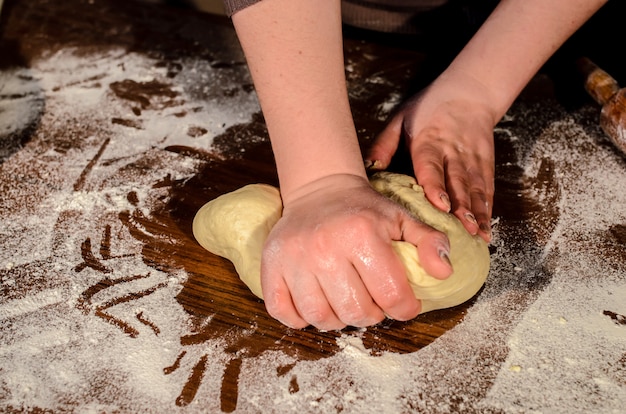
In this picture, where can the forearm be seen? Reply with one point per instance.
(515, 41)
(294, 51)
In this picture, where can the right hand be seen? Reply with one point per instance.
(329, 262)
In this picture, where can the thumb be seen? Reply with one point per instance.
(385, 145)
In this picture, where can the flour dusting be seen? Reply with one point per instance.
(88, 326)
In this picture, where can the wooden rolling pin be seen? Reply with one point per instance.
(606, 91)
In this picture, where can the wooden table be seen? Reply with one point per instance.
(111, 187)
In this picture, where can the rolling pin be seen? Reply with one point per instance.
(606, 91)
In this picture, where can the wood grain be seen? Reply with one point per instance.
(217, 302)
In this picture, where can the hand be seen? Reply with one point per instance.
(328, 262)
(449, 131)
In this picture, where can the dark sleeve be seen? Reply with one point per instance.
(233, 6)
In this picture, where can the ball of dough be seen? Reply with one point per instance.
(235, 226)
(469, 254)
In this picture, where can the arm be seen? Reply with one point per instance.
(294, 52)
(328, 261)
(515, 41)
(449, 126)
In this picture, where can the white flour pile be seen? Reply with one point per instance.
(546, 334)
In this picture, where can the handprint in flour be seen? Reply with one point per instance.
(95, 298)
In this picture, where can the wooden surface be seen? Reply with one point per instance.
(218, 305)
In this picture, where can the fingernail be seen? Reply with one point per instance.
(485, 228)
(446, 200)
(470, 217)
(443, 249)
(445, 256)
(371, 165)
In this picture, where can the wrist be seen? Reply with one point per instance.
(327, 184)
(463, 86)
(306, 159)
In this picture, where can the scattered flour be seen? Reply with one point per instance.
(544, 335)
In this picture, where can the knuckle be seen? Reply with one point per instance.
(405, 310)
(284, 314)
(317, 314)
(390, 298)
(397, 302)
(367, 320)
(360, 224)
(490, 190)
(402, 314)
(277, 309)
(460, 177)
(355, 316)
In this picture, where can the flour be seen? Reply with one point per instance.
(544, 335)
(538, 338)
(30, 304)
(55, 354)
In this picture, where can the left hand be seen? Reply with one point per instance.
(448, 128)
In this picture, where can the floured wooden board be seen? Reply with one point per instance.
(119, 120)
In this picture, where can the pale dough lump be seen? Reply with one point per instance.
(235, 226)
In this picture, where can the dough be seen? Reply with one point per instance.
(235, 226)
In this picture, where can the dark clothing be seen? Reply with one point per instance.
(381, 15)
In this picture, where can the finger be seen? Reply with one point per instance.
(279, 303)
(433, 247)
(460, 182)
(350, 298)
(312, 304)
(481, 209)
(475, 207)
(385, 145)
(482, 204)
(386, 280)
(428, 165)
